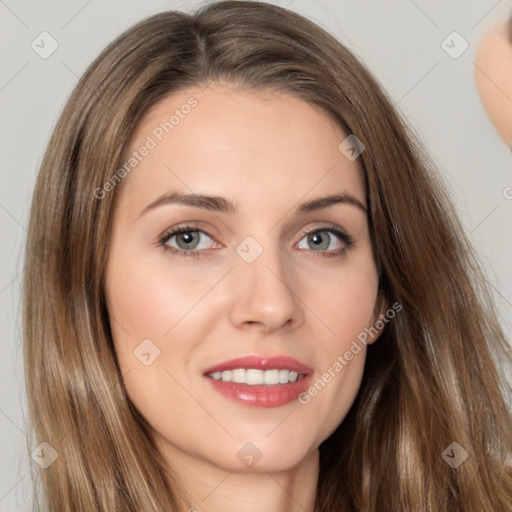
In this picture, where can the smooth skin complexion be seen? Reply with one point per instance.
(201, 303)
(493, 78)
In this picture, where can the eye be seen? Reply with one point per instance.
(184, 241)
(329, 239)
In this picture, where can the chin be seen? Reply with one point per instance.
(262, 456)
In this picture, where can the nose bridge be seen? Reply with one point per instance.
(264, 287)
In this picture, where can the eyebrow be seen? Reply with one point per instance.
(223, 205)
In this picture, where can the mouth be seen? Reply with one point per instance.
(260, 381)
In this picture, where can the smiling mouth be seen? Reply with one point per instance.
(256, 377)
(260, 381)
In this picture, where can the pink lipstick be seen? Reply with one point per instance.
(260, 381)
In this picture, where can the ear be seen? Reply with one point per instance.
(379, 319)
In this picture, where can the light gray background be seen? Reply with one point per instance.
(400, 41)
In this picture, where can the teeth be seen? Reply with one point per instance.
(271, 377)
(254, 377)
(238, 376)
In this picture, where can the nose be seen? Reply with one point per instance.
(263, 294)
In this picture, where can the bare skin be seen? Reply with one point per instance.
(493, 78)
(267, 153)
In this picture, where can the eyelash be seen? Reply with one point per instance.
(348, 240)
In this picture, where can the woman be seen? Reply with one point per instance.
(246, 287)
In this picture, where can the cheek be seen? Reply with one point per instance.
(346, 307)
(148, 296)
(346, 300)
(157, 323)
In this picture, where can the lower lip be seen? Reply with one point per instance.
(261, 396)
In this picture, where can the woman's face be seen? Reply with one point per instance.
(258, 272)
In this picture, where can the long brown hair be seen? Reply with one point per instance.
(432, 378)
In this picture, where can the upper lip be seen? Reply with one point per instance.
(262, 363)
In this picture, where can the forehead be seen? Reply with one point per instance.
(255, 144)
